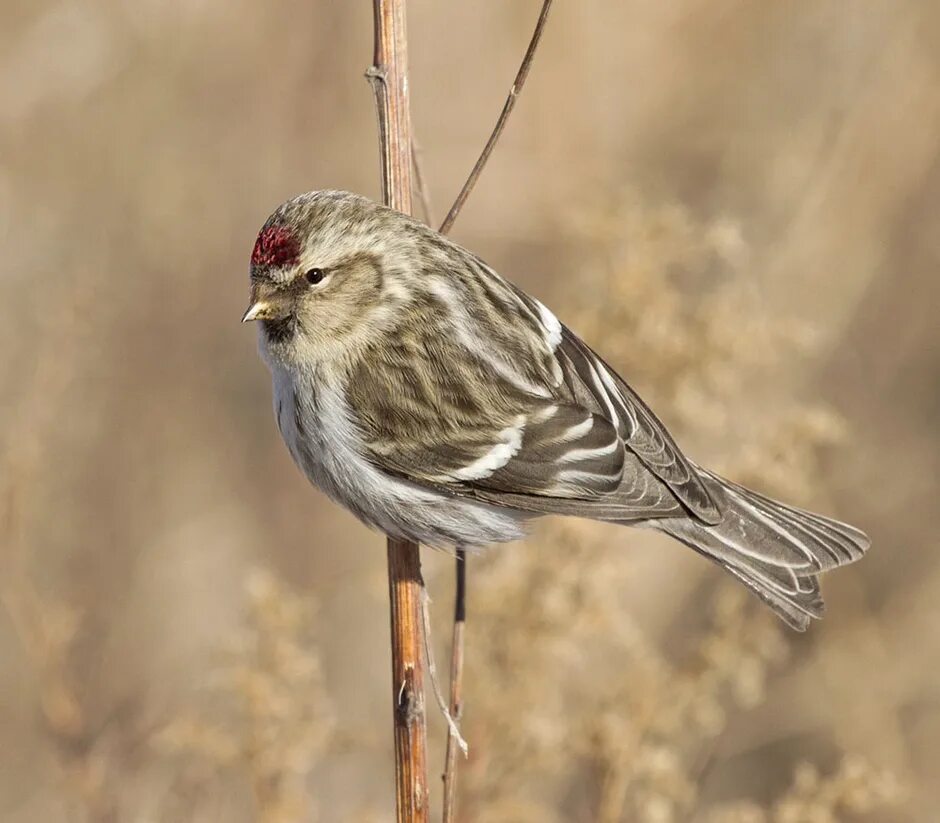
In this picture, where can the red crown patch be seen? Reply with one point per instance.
(275, 246)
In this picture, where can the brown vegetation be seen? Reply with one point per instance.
(736, 203)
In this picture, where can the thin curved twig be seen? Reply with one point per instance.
(424, 194)
(453, 731)
(510, 103)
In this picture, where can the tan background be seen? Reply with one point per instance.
(738, 202)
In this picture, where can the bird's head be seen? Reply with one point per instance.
(326, 275)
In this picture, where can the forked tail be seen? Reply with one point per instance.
(777, 551)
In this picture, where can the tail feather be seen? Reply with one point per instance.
(835, 543)
(776, 550)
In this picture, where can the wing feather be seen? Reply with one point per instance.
(591, 382)
(643, 434)
(485, 394)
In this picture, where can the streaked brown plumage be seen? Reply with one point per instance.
(439, 402)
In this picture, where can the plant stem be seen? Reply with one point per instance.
(405, 591)
(460, 602)
(456, 688)
(388, 75)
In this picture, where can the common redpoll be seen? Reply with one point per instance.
(438, 402)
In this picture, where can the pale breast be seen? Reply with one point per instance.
(323, 439)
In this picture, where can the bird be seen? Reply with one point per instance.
(440, 403)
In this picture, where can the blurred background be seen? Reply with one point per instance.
(737, 203)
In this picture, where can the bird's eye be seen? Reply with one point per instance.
(314, 276)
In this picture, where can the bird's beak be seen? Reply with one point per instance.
(268, 305)
(256, 311)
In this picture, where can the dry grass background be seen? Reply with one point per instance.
(738, 203)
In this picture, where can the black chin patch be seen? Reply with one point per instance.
(280, 330)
